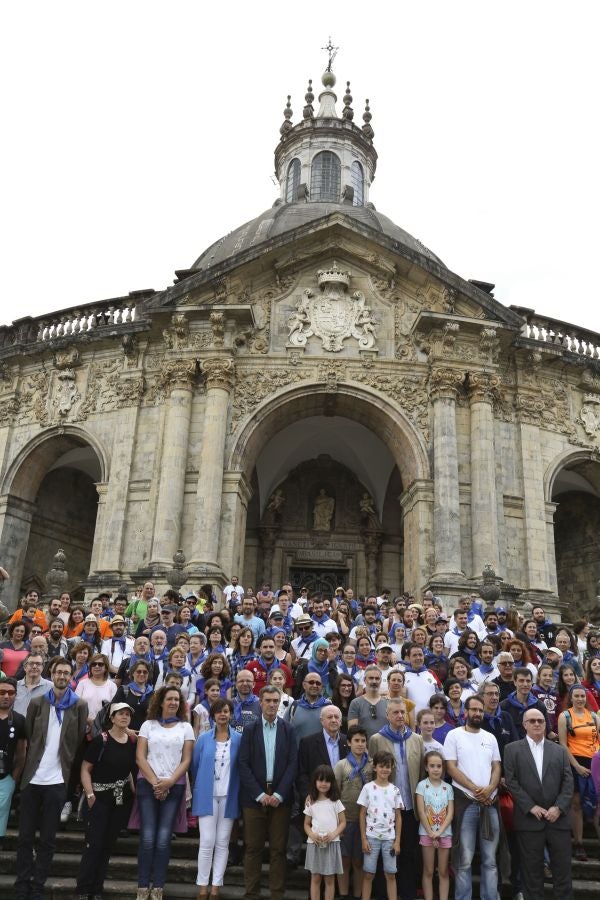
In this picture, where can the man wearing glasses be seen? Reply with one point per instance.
(12, 748)
(504, 681)
(32, 685)
(369, 710)
(539, 778)
(301, 646)
(55, 727)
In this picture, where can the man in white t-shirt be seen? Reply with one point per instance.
(55, 727)
(420, 683)
(473, 762)
(228, 590)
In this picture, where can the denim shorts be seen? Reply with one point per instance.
(388, 858)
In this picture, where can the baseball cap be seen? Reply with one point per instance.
(383, 646)
(555, 650)
(115, 707)
(276, 614)
(500, 609)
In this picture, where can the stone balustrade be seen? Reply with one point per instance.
(569, 338)
(74, 322)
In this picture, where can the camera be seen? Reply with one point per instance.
(3, 763)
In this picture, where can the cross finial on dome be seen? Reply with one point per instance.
(332, 51)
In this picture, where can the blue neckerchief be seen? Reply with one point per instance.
(308, 639)
(168, 720)
(495, 718)
(240, 705)
(410, 670)
(88, 638)
(288, 624)
(218, 649)
(182, 671)
(319, 702)
(164, 655)
(431, 658)
(147, 657)
(320, 620)
(357, 766)
(142, 693)
(471, 658)
(194, 666)
(486, 668)
(364, 659)
(85, 671)
(597, 685)
(68, 699)
(456, 719)
(346, 671)
(275, 664)
(398, 737)
(120, 641)
(512, 699)
(568, 655)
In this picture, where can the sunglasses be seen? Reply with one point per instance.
(318, 683)
(96, 665)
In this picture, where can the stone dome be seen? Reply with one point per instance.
(286, 217)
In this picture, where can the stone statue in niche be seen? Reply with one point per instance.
(276, 504)
(323, 511)
(332, 315)
(368, 515)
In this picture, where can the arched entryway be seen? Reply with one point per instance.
(575, 489)
(325, 475)
(49, 501)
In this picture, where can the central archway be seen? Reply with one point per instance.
(379, 453)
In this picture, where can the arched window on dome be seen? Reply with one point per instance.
(293, 181)
(325, 177)
(358, 183)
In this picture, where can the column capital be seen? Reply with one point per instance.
(444, 383)
(177, 374)
(483, 387)
(219, 372)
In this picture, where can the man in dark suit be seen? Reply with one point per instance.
(268, 763)
(325, 748)
(538, 775)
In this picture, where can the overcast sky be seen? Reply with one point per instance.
(134, 134)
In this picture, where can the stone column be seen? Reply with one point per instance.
(536, 564)
(169, 505)
(236, 496)
(443, 388)
(219, 372)
(484, 513)
(267, 536)
(417, 507)
(15, 524)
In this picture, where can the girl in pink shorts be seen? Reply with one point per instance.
(435, 806)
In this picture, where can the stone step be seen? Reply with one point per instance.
(65, 888)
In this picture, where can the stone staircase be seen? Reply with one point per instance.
(182, 870)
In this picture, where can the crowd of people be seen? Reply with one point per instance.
(362, 727)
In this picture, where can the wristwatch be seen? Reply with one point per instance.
(89, 796)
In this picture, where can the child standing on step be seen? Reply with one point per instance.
(435, 806)
(324, 821)
(380, 824)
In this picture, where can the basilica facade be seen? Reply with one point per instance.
(319, 398)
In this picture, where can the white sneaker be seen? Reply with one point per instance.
(66, 812)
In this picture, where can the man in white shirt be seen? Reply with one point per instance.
(234, 585)
(119, 646)
(55, 727)
(420, 683)
(460, 625)
(323, 623)
(473, 762)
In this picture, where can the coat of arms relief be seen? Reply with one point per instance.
(332, 314)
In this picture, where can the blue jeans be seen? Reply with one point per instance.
(469, 830)
(157, 818)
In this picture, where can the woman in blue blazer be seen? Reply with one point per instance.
(215, 797)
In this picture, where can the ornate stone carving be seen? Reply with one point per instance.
(34, 399)
(67, 358)
(323, 508)
(445, 383)
(449, 336)
(219, 372)
(66, 394)
(252, 387)
(529, 408)
(109, 388)
(557, 413)
(589, 416)
(483, 386)
(449, 299)
(407, 391)
(9, 409)
(332, 315)
(177, 336)
(217, 326)
(489, 345)
(332, 372)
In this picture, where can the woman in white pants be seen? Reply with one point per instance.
(215, 775)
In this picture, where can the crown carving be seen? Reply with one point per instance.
(591, 398)
(333, 276)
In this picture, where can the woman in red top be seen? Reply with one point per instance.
(14, 650)
(567, 677)
(591, 681)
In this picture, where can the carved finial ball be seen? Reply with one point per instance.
(328, 78)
